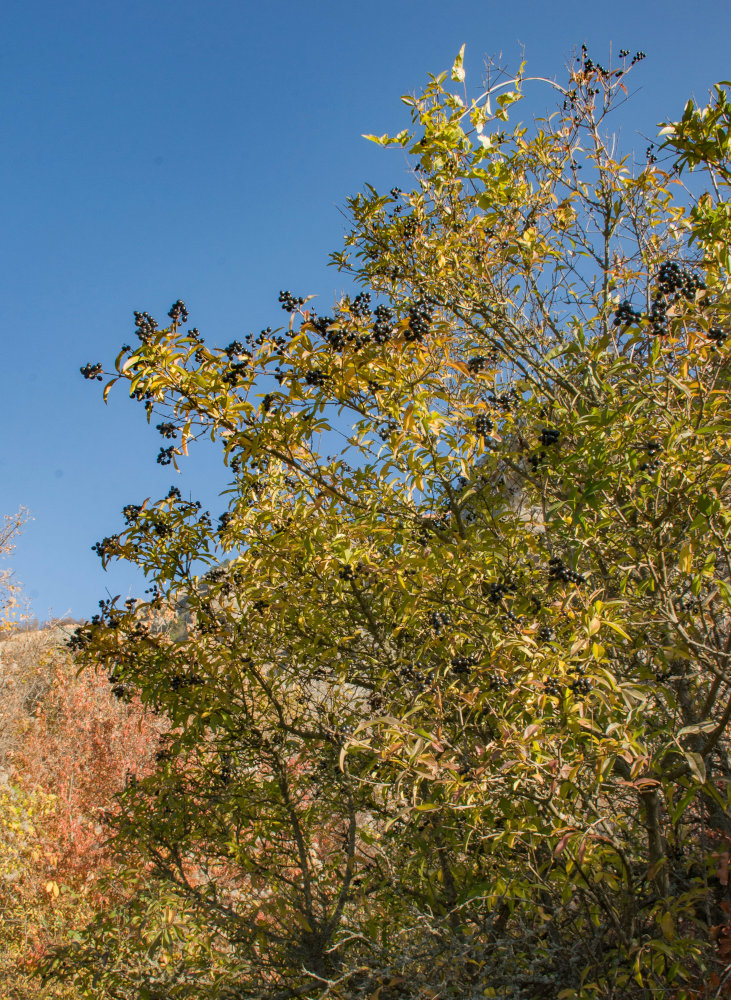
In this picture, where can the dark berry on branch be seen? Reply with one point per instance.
(236, 372)
(476, 364)
(463, 664)
(145, 325)
(581, 686)
(360, 306)
(92, 371)
(178, 313)
(420, 319)
(496, 682)
(483, 425)
(383, 326)
(546, 633)
(131, 512)
(549, 436)
(650, 467)
(316, 377)
(165, 455)
(290, 303)
(167, 430)
(105, 547)
(387, 430)
(439, 619)
(625, 315)
(558, 571)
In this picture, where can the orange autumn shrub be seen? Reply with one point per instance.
(70, 747)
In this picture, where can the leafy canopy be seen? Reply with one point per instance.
(449, 705)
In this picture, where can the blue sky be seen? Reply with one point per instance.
(155, 150)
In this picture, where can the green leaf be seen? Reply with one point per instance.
(697, 765)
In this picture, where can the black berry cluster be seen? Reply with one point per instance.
(505, 401)
(653, 448)
(413, 673)
(673, 282)
(161, 528)
(483, 425)
(234, 348)
(167, 430)
(582, 685)
(225, 520)
(512, 617)
(558, 571)
(173, 493)
(387, 429)
(178, 313)
(553, 687)
(361, 305)
(716, 334)
(235, 374)
(107, 546)
(496, 682)
(477, 363)
(463, 664)
(165, 455)
(131, 512)
(626, 315)
(439, 620)
(496, 591)
(92, 371)
(290, 303)
(674, 279)
(383, 326)
(178, 681)
(316, 377)
(337, 334)
(549, 436)
(546, 633)
(145, 326)
(420, 320)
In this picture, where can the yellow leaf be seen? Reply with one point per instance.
(667, 925)
(685, 558)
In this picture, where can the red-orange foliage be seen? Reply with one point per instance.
(82, 745)
(71, 746)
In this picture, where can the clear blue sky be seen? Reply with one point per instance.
(154, 149)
